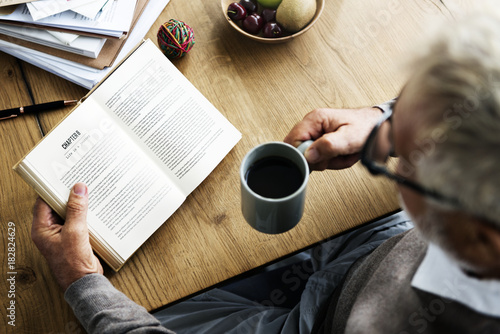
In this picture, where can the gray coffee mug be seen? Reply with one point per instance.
(274, 215)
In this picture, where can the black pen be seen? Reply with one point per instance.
(14, 112)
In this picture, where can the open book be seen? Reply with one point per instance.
(142, 141)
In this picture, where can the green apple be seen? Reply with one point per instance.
(273, 4)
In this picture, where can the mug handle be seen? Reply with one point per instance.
(304, 146)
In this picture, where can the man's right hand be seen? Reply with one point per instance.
(338, 134)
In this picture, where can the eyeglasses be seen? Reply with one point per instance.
(377, 154)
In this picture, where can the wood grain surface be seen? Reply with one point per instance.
(354, 56)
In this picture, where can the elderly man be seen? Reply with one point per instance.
(442, 277)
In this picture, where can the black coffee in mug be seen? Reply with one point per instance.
(274, 177)
(273, 180)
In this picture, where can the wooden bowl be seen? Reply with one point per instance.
(319, 9)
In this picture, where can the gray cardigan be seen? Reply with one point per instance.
(101, 308)
(377, 298)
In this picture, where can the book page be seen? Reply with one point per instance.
(180, 129)
(129, 197)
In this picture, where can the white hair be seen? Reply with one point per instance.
(459, 74)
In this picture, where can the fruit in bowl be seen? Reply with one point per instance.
(272, 30)
(236, 11)
(253, 23)
(294, 15)
(261, 23)
(268, 14)
(250, 6)
(270, 3)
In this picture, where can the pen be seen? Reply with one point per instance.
(14, 112)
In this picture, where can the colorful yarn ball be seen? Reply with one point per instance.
(175, 38)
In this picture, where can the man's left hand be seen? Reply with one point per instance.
(65, 246)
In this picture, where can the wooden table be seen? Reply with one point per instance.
(354, 56)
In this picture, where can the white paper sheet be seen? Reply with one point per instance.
(45, 8)
(114, 22)
(63, 37)
(91, 9)
(82, 45)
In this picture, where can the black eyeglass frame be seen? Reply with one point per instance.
(376, 169)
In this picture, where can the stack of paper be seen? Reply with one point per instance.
(78, 44)
(82, 40)
(112, 20)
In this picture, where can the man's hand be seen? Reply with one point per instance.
(338, 134)
(66, 247)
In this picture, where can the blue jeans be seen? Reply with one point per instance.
(287, 296)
